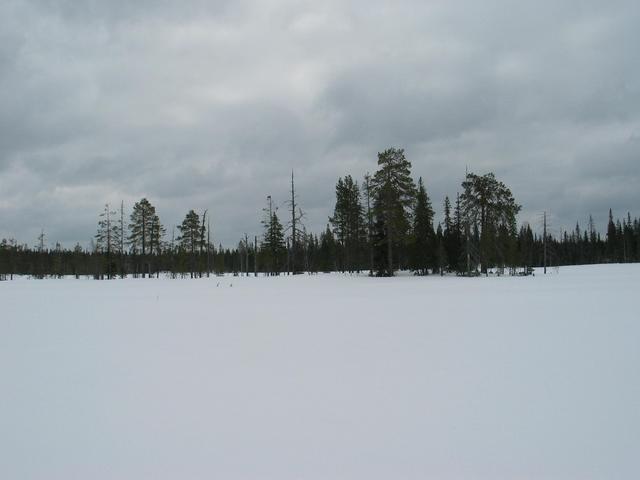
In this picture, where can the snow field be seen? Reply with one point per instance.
(322, 377)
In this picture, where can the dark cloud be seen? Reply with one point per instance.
(210, 105)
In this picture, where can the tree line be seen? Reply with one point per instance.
(380, 225)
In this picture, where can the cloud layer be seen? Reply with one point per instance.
(210, 105)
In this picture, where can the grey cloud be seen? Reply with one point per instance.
(123, 11)
(210, 105)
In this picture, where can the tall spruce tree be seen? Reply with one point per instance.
(450, 237)
(448, 223)
(348, 223)
(327, 251)
(424, 248)
(441, 253)
(612, 239)
(273, 244)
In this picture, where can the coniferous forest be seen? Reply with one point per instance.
(379, 225)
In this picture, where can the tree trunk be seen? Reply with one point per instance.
(389, 249)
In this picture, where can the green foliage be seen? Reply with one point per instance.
(488, 206)
(190, 232)
(141, 226)
(349, 224)
(273, 245)
(327, 253)
(424, 245)
(145, 235)
(394, 194)
(189, 240)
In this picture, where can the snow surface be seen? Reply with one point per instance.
(322, 377)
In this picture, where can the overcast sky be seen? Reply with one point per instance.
(211, 104)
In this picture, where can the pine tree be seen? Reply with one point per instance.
(450, 237)
(457, 255)
(189, 239)
(77, 262)
(488, 204)
(611, 238)
(394, 193)
(339, 219)
(441, 252)
(619, 242)
(57, 263)
(327, 253)
(141, 230)
(273, 243)
(627, 239)
(526, 248)
(348, 223)
(368, 196)
(423, 245)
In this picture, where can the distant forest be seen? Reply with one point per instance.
(380, 225)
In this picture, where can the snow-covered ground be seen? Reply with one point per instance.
(322, 377)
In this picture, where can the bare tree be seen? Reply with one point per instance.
(294, 227)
